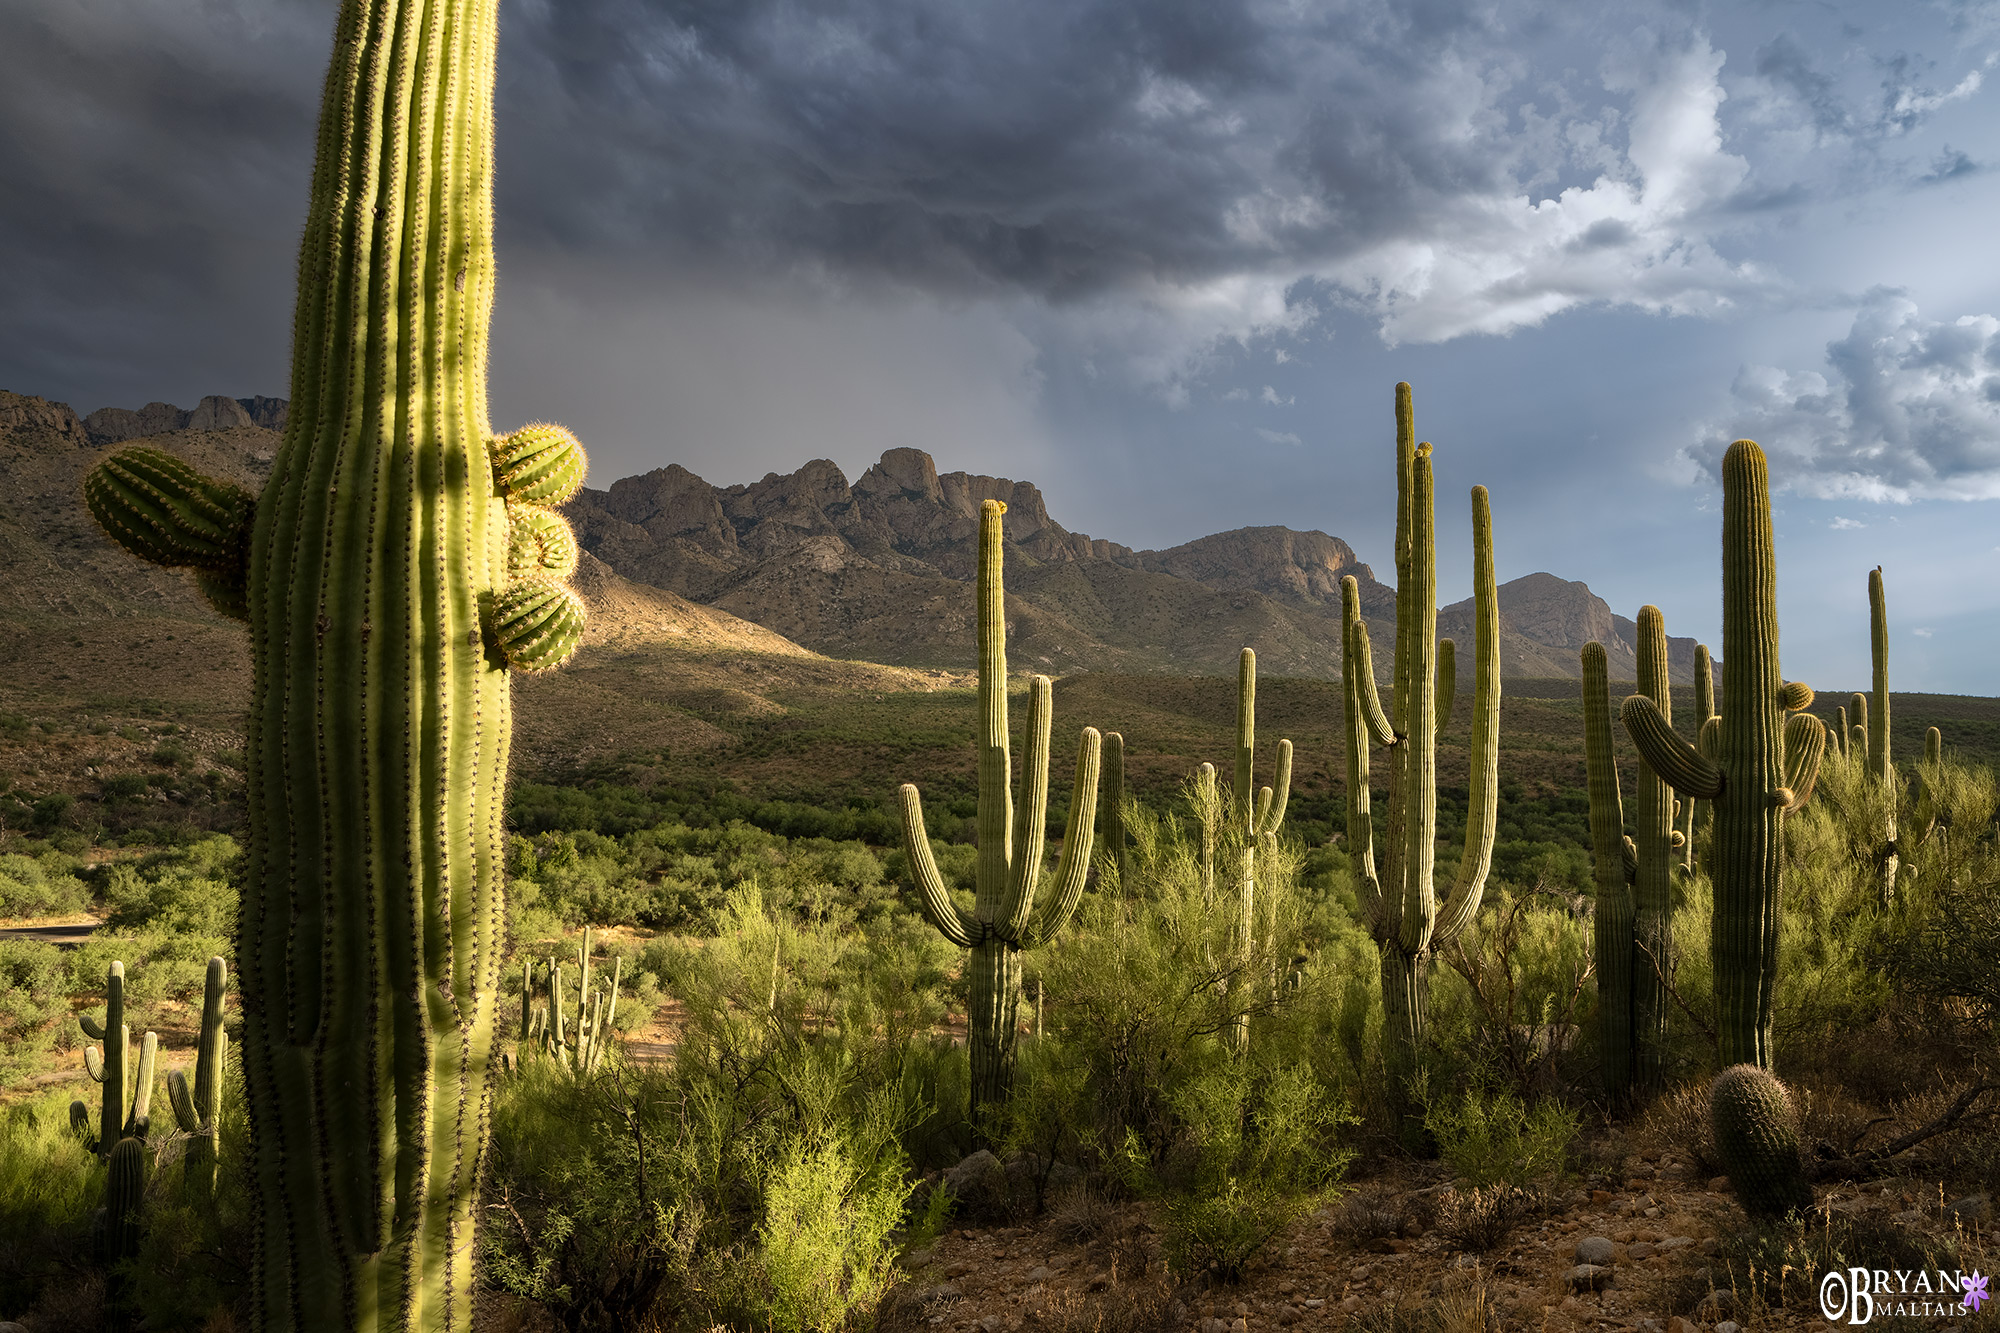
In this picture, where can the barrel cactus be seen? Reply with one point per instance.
(1009, 913)
(1758, 767)
(373, 570)
(1399, 899)
(1757, 1139)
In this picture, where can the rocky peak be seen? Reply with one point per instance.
(110, 425)
(22, 412)
(909, 472)
(1276, 561)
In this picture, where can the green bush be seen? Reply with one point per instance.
(1494, 1138)
(49, 1184)
(44, 885)
(34, 1008)
(823, 1250)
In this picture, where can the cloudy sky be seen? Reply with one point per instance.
(1167, 259)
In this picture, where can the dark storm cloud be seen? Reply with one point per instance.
(154, 180)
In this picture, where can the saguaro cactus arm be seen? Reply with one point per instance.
(951, 921)
(1031, 816)
(1361, 657)
(1805, 747)
(1053, 911)
(1681, 764)
(1483, 807)
(1447, 682)
(1355, 698)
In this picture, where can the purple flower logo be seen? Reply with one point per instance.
(1972, 1290)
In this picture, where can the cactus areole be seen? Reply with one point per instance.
(373, 575)
(1008, 913)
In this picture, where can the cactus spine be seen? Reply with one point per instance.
(1881, 769)
(1757, 1139)
(382, 625)
(1401, 904)
(1256, 814)
(1611, 921)
(1764, 766)
(1007, 914)
(198, 1111)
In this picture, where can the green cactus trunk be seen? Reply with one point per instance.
(1611, 921)
(398, 562)
(1256, 814)
(1007, 915)
(1881, 767)
(1765, 766)
(1652, 886)
(1114, 839)
(1704, 709)
(199, 1112)
(1402, 907)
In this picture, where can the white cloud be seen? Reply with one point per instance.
(1846, 524)
(1924, 633)
(1907, 408)
(1279, 436)
(1270, 397)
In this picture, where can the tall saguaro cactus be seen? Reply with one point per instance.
(1764, 768)
(198, 1110)
(1881, 768)
(1256, 814)
(1610, 852)
(399, 560)
(1401, 901)
(1008, 914)
(1704, 709)
(1652, 886)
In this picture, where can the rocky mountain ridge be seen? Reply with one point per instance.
(876, 569)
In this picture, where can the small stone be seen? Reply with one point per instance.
(1729, 1326)
(1718, 1302)
(1708, 1245)
(1680, 1243)
(1653, 1211)
(1718, 1184)
(1600, 1196)
(1972, 1208)
(945, 1291)
(991, 1323)
(1239, 1325)
(1588, 1277)
(1037, 1275)
(1680, 1325)
(1352, 1305)
(1595, 1250)
(1642, 1250)
(916, 1258)
(1313, 1302)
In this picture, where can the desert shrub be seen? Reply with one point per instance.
(1779, 1266)
(49, 1183)
(1516, 999)
(44, 885)
(1491, 1137)
(184, 890)
(1478, 1219)
(1942, 950)
(1256, 1159)
(823, 1254)
(752, 1181)
(34, 1007)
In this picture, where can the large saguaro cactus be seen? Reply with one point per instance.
(1401, 903)
(398, 561)
(1653, 841)
(1764, 768)
(1008, 914)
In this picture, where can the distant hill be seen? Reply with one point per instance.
(878, 569)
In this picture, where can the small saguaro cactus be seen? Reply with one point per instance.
(1613, 868)
(398, 563)
(1764, 765)
(124, 1195)
(1654, 840)
(1113, 843)
(126, 1107)
(1008, 913)
(198, 1109)
(1704, 709)
(1881, 768)
(1401, 903)
(1840, 737)
(1757, 1139)
(1256, 814)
